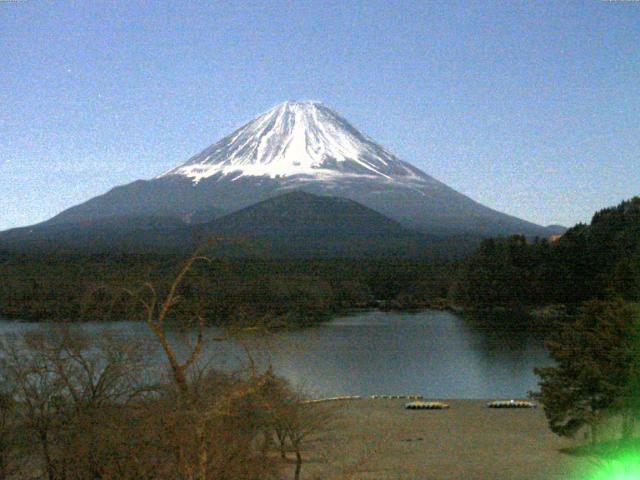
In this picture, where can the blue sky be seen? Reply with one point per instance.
(532, 108)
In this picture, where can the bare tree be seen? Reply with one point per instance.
(60, 380)
(36, 391)
(295, 423)
(156, 310)
(211, 427)
(304, 421)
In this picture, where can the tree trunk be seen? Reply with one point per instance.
(282, 439)
(176, 369)
(298, 464)
(594, 433)
(203, 454)
(44, 442)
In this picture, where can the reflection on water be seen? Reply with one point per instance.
(435, 354)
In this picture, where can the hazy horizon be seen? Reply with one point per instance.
(530, 109)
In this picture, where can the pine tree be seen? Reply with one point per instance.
(597, 360)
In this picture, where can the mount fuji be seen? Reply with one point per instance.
(297, 140)
(296, 146)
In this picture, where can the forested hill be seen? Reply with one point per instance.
(599, 260)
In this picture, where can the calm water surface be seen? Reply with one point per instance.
(435, 354)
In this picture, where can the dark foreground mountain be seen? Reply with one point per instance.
(303, 224)
(303, 214)
(294, 224)
(297, 146)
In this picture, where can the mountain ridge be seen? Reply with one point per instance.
(292, 225)
(301, 146)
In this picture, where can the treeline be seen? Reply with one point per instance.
(596, 261)
(285, 292)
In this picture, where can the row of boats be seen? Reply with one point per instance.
(420, 404)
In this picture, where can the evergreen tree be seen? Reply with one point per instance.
(597, 359)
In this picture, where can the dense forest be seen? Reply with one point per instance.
(596, 261)
(294, 292)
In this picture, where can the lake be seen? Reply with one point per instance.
(432, 353)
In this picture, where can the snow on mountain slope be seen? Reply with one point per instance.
(300, 146)
(297, 138)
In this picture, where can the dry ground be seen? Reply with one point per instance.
(379, 439)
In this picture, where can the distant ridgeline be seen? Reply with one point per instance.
(600, 260)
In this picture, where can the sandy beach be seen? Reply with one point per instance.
(380, 439)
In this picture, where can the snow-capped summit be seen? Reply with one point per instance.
(296, 138)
